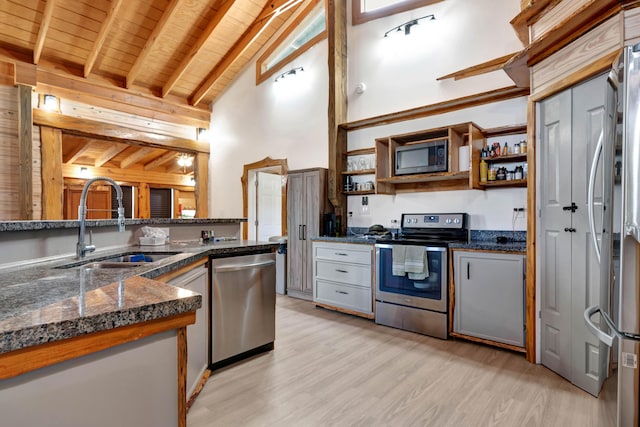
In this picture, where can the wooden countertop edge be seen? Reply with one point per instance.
(31, 358)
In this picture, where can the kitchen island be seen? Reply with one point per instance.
(99, 346)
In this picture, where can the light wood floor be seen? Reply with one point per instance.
(332, 369)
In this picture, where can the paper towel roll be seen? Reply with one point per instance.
(463, 158)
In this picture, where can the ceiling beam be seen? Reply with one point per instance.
(197, 47)
(102, 36)
(110, 153)
(153, 38)
(131, 175)
(249, 36)
(77, 152)
(276, 7)
(159, 161)
(135, 157)
(42, 32)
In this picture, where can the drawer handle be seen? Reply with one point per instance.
(341, 271)
(342, 292)
(341, 254)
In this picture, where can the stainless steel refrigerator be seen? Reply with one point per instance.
(616, 322)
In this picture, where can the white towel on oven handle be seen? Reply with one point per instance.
(398, 258)
(416, 263)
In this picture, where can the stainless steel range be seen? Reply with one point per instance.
(412, 273)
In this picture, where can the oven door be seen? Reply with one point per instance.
(429, 294)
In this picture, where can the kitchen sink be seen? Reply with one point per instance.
(129, 259)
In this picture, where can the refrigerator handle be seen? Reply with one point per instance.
(602, 336)
(592, 184)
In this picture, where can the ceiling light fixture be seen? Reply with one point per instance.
(185, 160)
(291, 72)
(202, 133)
(406, 27)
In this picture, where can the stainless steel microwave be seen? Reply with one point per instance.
(424, 157)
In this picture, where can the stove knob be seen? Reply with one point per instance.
(448, 221)
(415, 220)
(456, 221)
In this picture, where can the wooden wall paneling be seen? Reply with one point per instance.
(143, 206)
(554, 15)
(52, 181)
(182, 376)
(201, 173)
(632, 25)
(25, 155)
(598, 43)
(8, 153)
(337, 34)
(36, 174)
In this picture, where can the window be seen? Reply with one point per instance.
(306, 30)
(127, 201)
(368, 10)
(160, 200)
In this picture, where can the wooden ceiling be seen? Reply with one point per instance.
(180, 51)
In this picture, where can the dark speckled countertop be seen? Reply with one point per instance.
(41, 302)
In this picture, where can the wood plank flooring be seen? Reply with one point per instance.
(333, 369)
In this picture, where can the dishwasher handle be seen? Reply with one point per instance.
(240, 267)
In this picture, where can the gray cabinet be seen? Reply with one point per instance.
(196, 279)
(306, 201)
(489, 296)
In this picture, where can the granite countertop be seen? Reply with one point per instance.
(51, 225)
(41, 302)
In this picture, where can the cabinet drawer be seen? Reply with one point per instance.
(358, 275)
(358, 254)
(345, 296)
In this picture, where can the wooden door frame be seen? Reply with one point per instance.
(267, 162)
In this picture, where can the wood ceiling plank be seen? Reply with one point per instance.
(153, 38)
(197, 47)
(110, 153)
(102, 36)
(251, 34)
(136, 157)
(44, 28)
(159, 161)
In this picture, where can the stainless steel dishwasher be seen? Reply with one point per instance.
(243, 307)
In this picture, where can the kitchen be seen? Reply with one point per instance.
(295, 130)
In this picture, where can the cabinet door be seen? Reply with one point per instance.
(295, 244)
(311, 225)
(489, 296)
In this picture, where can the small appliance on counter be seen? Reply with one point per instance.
(329, 224)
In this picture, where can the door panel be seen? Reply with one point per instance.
(555, 131)
(295, 244)
(269, 206)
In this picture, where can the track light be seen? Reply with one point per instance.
(406, 27)
(291, 72)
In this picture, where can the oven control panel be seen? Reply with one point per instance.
(455, 220)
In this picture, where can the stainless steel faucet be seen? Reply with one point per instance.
(81, 247)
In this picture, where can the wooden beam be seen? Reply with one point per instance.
(144, 203)
(25, 156)
(52, 180)
(164, 158)
(44, 28)
(337, 111)
(25, 74)
(109, 154)
(135, 157)
(249, 36)
(102, 36)
(128, 175)
(488, 97)
(485, 67)
(276, 7)
(201, 172)
(85, 127)
(168, 13)
(197, 47)
(77, 152)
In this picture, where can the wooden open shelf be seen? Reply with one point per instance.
(360, 172)
(505, 183)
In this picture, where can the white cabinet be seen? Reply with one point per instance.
(489, 297)
(195, 278)
(343, 277)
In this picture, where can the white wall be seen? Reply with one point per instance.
(251, 122)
